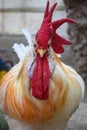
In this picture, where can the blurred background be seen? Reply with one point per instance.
(18, 14)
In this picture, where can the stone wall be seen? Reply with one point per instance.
(18, 14)
(77, 9)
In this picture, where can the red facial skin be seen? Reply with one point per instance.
(41, 73)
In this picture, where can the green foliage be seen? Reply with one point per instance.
(3, 123)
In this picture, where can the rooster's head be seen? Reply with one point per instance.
(46, 36)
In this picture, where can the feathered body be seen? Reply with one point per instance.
(65, 93)
(35, 110)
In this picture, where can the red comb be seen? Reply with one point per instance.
(48, 30)
(46, 10)
(58, 23)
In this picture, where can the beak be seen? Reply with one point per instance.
(41, 52)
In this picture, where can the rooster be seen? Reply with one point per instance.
(41, 92)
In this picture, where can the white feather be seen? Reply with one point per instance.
(20, 49)
(81, 82)
(60, 56)
(28, 36)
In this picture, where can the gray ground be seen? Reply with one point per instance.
(79, 119)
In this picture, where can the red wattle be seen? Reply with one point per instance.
(40, 78)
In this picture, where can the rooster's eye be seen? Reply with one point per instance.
(34, 45)
(48, 46)
(34, 54)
